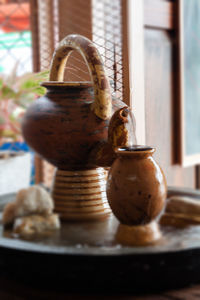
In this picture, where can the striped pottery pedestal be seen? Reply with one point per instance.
(81, 195)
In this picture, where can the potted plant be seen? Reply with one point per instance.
(16, 94)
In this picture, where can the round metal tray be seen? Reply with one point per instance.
(89, 256)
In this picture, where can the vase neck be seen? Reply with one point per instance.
(135, 151)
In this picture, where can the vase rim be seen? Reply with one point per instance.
(135, 149)
(70, 84)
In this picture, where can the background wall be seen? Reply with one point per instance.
(161, 88)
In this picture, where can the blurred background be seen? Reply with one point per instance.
(140, 45)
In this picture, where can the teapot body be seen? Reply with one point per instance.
(62, 127)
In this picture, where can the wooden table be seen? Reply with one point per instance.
(13, 290)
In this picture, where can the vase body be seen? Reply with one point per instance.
(136, 186)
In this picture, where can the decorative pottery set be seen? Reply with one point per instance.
(80, 129)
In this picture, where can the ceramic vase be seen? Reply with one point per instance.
(136, 186)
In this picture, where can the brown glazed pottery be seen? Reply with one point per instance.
(67, 123)
(136, 186)
(138, 235)
(69, 128)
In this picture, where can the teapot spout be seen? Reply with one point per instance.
(121, 133)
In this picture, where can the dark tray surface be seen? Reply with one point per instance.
(98, 238)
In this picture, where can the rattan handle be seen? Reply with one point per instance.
(103, 101)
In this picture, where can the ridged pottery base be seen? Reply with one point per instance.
(80, 195)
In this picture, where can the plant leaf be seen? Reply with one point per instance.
(18, 92)
(29, 84)
(7, 92)
(39, 90)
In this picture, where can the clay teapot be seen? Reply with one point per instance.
(71, 120)
(69, 128)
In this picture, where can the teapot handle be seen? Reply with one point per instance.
(103, 102)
